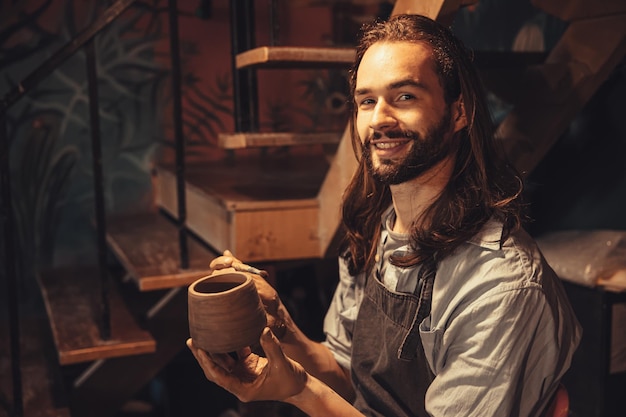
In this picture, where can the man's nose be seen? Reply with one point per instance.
(383, 116)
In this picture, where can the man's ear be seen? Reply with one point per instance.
(459, 118)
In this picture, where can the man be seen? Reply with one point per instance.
(445, 306)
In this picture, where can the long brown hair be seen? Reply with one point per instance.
(483, 185)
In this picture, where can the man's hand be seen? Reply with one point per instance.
(252, 377)
(277, 316)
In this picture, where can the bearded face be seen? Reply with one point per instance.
(425, 152)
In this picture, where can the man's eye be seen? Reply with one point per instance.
(404, 97)
(366, 102)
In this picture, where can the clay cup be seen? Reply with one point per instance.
(225, 312)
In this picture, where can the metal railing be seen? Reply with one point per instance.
(84, 40)
(246, 111)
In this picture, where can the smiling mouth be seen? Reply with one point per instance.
(386, 145)
(389, 144)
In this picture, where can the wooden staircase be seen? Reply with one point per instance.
(546, 93)
(274, 209)
(147, 300)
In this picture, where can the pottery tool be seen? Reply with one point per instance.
(240, 266)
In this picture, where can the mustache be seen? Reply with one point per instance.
(392, 134)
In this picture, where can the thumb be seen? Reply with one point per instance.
(286, 377)
(271, 346)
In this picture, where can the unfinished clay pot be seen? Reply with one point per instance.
(225, 312)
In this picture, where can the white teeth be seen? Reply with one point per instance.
(387, 145)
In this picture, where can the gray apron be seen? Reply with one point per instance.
(389, 371)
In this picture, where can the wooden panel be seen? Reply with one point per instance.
(147, 245)
(580, 9)
(441, 10)
(251, 140)
(339, 175)
(278, 234)
(42, 386)
(230, 202)
(71, 297)
(295, 57)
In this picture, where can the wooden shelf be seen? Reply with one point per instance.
(255, 140)
(71, 297)
(42, 384)
(295, 57)
(147, 246)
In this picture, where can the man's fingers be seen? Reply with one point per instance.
(226, 260)
(212, 370)
(221, 262)
(224, 360)
(271, 346)
(244, 352)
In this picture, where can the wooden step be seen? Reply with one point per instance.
(295, 57)
(103, 388)
(71, 297)
(261, 208)
(43, 394)
(255, 140)
(300, 57)
(147, 246)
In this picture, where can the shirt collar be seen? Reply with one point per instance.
(488, 237)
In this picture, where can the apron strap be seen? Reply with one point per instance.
(425, 281)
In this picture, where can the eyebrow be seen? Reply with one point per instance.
(395, 85)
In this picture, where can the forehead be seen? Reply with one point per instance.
(387, 62)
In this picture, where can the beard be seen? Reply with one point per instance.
(426, 152)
